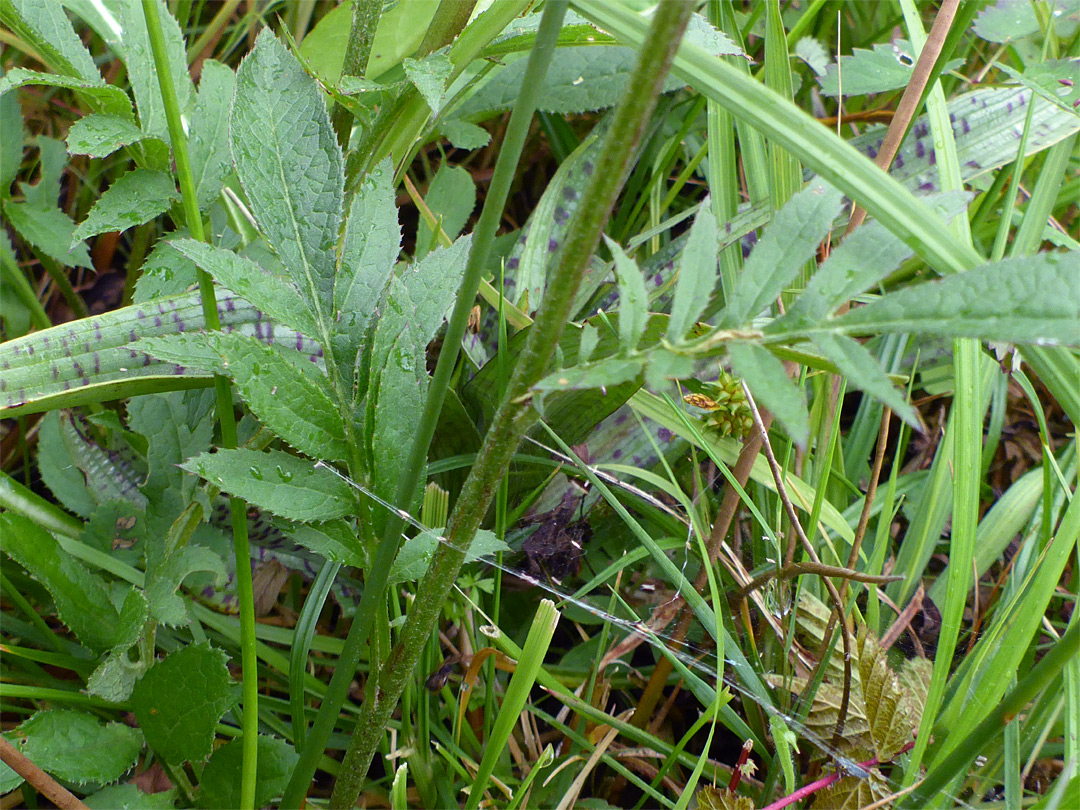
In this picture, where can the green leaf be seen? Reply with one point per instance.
(179, 701)
(275, 296)
(633, 299)
(702, 33)
(45, 193)
(371, 246)
(77, 747)
(607, 372)
(1055, 80)
(697, 275)
(81, 597)
(335, 540)
(287, 486)
(63, 478)
(790, 240)
(45, 27)
(142, 71)
(1028, 299)
(11, 147)
(289, 394)
(771, 387)
(51, 231)
(129, 797)
(102, 98)
(416, 552)
(98, 135)
(288, 161)
(1010, 20)
(165, 573)
(451, 198)
(137, 197)
(886, 67)
(890, 719)
(812, 52)
(865, 257)
(219, 786)
(210, 160)
(862, 370)
(430, 75)
(463, 135)
(432, 284)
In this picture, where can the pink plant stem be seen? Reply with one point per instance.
(824, 782)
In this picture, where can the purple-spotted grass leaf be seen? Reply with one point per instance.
(81, 596)
(788, 242)
(277, 482)
(180, 700)
(210, 160)
(286, 391)
(633, 300)
(371, 246)
(1029, 299)
(95, 359)
(77, 747)
(103, 98)
(142, 71)
(1056, 80)
(97, 135)
(49, 230)
(772, 388)
(137, 197)
(451, 198)
(46, 28)
(697, 275)
(290, 166)
(219, 787)
(273, 295)
(862, 370)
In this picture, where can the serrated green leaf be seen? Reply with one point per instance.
(282, 484)
(812, 52)
(1028, 299)
(335, 540)
(852, 792)
(430, 75)
(697, 275)
(371, 246)
(862, 370)
(607, 372)
(1010, 20)
(890, 723)
(633, 300)
(884, 68)
(11, 147)
(704, 34)
(165, 575)
(51, 231)
(142, 71)
(129, 797)
(210, 161)
(179, 701)
(788, 242)
(102, 98)
(289, 163)
(46, 191)
(863, 259)
(432, 284)
(98, 135)
(77, 747)
(137, 197)
(664, 366)
(45, 27)
(219, 786)
(81, 596)
(63, 478)
(165, 272)
(451, 198)
(772, 388)
(580, 80)
(271, 294)
(288, 393)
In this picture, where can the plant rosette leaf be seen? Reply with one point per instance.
(129, 797)
(137, 197)
(51, 231)
(77, 747)
(219, 786)
(416, 552)
(179, 701)
(284, 485)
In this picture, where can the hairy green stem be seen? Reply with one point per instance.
(365, 19)
(516, 414)
(450, 18)
(376, 576)
(225, 415)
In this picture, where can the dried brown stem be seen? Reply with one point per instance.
(38, 779)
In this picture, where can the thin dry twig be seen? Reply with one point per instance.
(38, 779)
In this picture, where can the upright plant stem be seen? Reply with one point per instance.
(516, 414)
(365, 19)
(226, 417)
(483, 237)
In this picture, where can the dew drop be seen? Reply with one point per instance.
(256, 473)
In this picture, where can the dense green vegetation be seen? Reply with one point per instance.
(588, 447)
